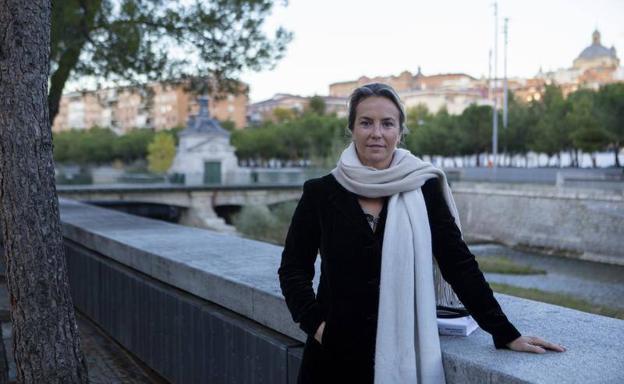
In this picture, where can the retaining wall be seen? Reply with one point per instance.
(202, 307)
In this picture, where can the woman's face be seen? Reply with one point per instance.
(376, 131)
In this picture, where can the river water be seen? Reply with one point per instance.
(596, 283)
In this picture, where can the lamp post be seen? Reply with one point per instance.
(494, 107)
(505, 86)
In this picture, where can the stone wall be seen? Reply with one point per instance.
(580, 223)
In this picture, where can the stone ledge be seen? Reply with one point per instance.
(241, 275)
(531, 190)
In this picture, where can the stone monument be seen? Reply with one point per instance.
(204, 154)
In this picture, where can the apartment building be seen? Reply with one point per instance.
(158, 106)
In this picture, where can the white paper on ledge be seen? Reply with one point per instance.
(459, 326)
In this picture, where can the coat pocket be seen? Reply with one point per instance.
(325, 335)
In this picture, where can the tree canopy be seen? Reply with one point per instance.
(146, 40)
(161, 152)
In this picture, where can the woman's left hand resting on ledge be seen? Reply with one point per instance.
(533, 344)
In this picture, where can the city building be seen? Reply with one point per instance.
(454, 91)
(596, 56)
(158, 106)
(406, 81)
(596, 65)
(263, 110)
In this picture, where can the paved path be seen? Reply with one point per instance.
(107, 362)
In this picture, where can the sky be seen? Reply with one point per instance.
(341, 40)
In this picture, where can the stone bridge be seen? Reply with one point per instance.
(580, 223)
(198, 203)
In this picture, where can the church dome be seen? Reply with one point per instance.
(596, 49)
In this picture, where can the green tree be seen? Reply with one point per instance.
(133, 145)
(63, 142)
(587, 132)
(475, 125)
(522, 121)
(610, 111)
(282, 114)
(175, 131)
(418, 137)
(309, 136)
(447, 127)
(552, 133)
(328, 138)
(418, 115)
(130, 40)
(94, 146)
(161, 152)
(228, 125)
(317, 105)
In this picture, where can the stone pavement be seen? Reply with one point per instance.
(108, 362)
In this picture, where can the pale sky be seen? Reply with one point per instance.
(341, 40)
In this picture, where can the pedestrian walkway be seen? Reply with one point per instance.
(107, 361)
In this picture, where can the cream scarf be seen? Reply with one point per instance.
(407, 345)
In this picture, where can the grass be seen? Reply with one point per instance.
(558, 299)
(265, 223)
(501, 264)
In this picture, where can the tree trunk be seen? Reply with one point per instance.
(70, 57)
(616, 151)
(68, 61)
(46, 340)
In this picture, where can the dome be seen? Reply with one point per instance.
(597, 50)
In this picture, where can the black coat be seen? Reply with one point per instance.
(329, 219)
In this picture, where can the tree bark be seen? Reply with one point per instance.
(46, 340)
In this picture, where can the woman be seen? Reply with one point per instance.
(378, 219)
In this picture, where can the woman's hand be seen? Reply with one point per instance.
(534, 345)
(319, 332)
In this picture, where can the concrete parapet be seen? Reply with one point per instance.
(241, 276)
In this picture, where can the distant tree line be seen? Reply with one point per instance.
(308, 136)
(97, 146)
(587, 121)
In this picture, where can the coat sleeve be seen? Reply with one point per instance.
(461, 270)
(296, 270)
